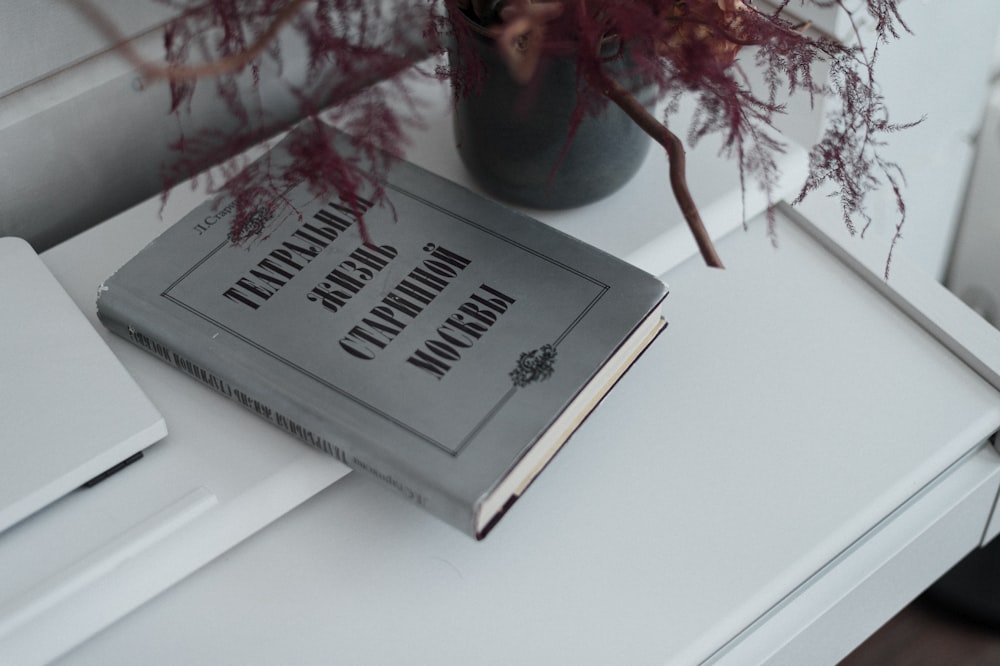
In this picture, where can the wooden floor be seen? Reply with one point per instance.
(924, 634)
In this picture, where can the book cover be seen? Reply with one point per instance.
(449, 356)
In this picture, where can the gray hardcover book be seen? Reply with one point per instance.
(450, 356)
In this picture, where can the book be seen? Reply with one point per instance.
(449, 351)
(70, 412)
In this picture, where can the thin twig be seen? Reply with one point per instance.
(156, 71)
(677, 159)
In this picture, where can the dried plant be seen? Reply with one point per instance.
(681, 47)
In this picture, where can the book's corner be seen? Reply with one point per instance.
(481, 532)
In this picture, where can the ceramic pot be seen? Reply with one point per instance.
(513, 138)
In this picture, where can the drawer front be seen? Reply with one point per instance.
(834, 611)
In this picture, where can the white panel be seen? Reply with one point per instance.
(83, 139)
(835, 611)
(993, 528)
(69, 37)
(974, 274)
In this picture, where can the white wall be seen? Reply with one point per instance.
(81, 138)
(940, 72)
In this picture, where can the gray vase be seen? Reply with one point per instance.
(513, 138)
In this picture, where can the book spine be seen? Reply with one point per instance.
(281, 413)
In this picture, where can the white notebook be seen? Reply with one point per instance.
(69, 411)
(93, 555)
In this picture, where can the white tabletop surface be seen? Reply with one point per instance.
(786, 410)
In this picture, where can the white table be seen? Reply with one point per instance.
(791, 462)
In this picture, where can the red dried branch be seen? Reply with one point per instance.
(678, 47)
(677, 159)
